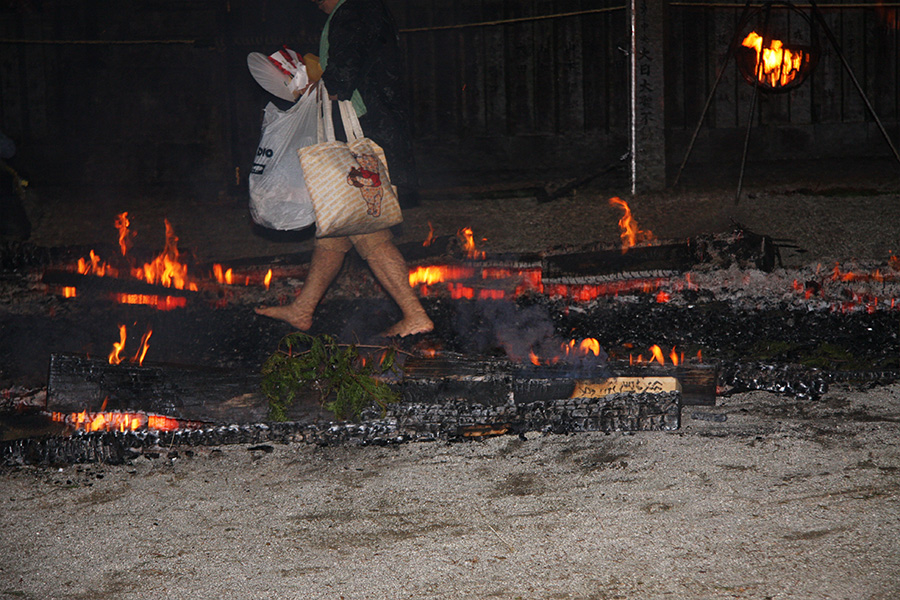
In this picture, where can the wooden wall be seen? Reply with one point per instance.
(498, 88)
(514, 91)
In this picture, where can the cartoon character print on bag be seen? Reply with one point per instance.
(367, 179)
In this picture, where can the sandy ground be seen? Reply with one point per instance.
(782, 500)
(758, 497)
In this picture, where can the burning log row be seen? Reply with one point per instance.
(404, 423)
(833, 341)
(116, 448)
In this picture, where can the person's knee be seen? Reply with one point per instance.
(339, 245)
(367, 244)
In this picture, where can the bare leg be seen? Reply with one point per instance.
(390, 268)
(323, 268)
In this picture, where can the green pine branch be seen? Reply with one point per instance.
(346, 384)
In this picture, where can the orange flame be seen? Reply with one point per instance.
(676, 360)
(142, 351)
(166, 269)
(572, 348)
(467, 238)
(158, 302)
(267, 280)
(122, 223)
(115, 357)
(590, 346)
(222, 275)
(430, 239)
(69, 292)
(631, 234)
(779, 65)
(116, 421)
(657, 355)
(95, 266)
(432, 274)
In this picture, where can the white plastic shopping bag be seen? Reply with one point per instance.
(279, 198)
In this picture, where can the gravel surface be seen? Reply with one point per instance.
(781, 500)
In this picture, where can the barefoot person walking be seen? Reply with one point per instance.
(360, 56)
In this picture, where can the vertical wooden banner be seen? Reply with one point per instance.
(648, 124)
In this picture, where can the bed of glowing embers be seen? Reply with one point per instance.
(791, 331)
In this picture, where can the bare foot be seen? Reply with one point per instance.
(410, 326)
(292, 314)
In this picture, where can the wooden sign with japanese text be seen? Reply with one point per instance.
(625, 385)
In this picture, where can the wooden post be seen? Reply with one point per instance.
(648, 126)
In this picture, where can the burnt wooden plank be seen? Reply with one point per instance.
(667, 258)
(93, 283)
(474, 396)
(617, 412)
(492, 381)
(186, 392)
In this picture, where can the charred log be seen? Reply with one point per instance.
(608, 265)
(25, 255)
(491, 381)
(798, 381)
(739, 247)
(193, 393)
(88, 284)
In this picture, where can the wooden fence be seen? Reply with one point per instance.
(518, 88)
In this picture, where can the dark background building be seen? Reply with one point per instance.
(156, 93)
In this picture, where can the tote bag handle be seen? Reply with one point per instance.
(352, 128)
